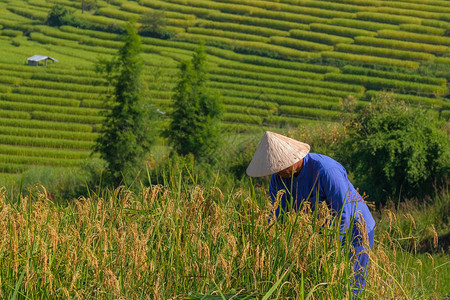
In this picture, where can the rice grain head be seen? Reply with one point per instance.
(111, 282)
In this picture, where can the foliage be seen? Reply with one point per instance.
(60, 15)
(87, 5)
(323, 138)
(395, 151)
(194, 127)
(154, 25)
(61, 183)
(431, 226)
(125, 136)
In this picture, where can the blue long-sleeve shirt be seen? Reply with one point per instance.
(324, 179)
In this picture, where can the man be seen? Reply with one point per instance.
(313, 176)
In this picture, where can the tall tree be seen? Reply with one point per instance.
(197, 112)
(124, 138)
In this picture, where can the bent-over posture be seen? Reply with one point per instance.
(314, 177)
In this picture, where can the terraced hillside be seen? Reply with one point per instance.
(275, 63)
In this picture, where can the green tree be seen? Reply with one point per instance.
(396, 151)
(60, 15)
(154, 25)
(197, 112)
(125, 137)
(87, 5)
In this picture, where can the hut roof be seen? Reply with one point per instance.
(40, 57)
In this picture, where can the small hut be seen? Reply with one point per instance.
(35, 59)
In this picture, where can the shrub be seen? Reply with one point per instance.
(60, 15)
(89, 5)
(64, 183)
(154, 25)
(394, 151)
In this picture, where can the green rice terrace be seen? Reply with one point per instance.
(275, 63)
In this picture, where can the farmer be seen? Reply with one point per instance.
(314, 176)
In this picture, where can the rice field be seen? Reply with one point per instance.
(274, 63)
(179, 240)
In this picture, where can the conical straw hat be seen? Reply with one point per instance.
(275, 153)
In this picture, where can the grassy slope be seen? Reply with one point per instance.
(294, 87)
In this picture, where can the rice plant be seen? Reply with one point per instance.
(179, 240)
